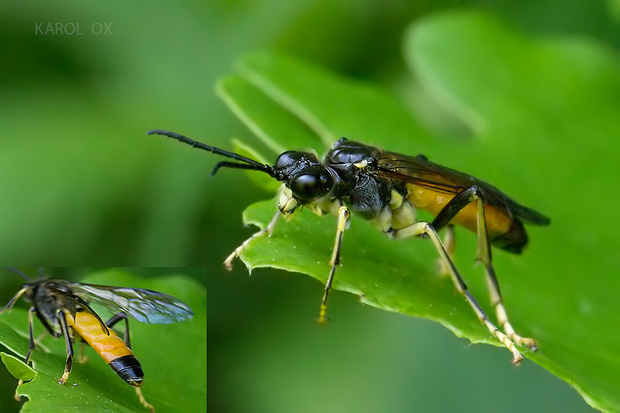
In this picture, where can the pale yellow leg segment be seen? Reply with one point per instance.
(420, 228)
(143, 400)
(448, 242)
(267, 230)
(484, 255)
(64, 377)
(81, 357)
(344, 215)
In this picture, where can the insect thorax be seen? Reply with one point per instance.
(45, 303)
(396, 211)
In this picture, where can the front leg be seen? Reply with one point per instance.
(344, 215)
(268, 230)
(31, 346)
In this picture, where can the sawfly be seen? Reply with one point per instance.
(388, 188)
(63, 308)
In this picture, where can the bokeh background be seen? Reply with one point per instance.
(83, 185)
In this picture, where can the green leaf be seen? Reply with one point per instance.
(304, 245)
(332, 106)
(175, 374)
(17, 367)
(248, 102)
(543, 114)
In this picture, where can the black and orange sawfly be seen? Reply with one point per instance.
(63, 308)
(388, 188)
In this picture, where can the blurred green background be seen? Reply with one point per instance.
(83, 186)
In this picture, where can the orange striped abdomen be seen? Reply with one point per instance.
(110, 347)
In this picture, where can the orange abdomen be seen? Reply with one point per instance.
(110, 347)
(504, 231)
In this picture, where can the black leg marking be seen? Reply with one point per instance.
(452, 208)
(31, 343)
(115, 319)
(68, 345)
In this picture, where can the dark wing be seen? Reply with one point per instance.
(145, 306)
(421, 172)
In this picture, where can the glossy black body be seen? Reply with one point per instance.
(364, 176)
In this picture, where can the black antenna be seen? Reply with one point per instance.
(18, 272)
(247, 162)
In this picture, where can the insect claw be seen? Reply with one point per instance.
(228, 262)
(517, 360)
(528, 342)
(322, 319)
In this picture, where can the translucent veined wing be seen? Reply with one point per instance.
(145, 306)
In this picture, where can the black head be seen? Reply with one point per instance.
(305, 175)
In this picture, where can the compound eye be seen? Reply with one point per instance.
(311, 186)
(289, 159)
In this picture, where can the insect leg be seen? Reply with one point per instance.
(267, 230)
(457, 203)
(10, 304)
(143, 400)
(31, 345)
(69, 347)
(484, 255)
(449, 243)
(115, 319)
(31, 342)
(81, 357)
(344, 215)
(425, 228)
